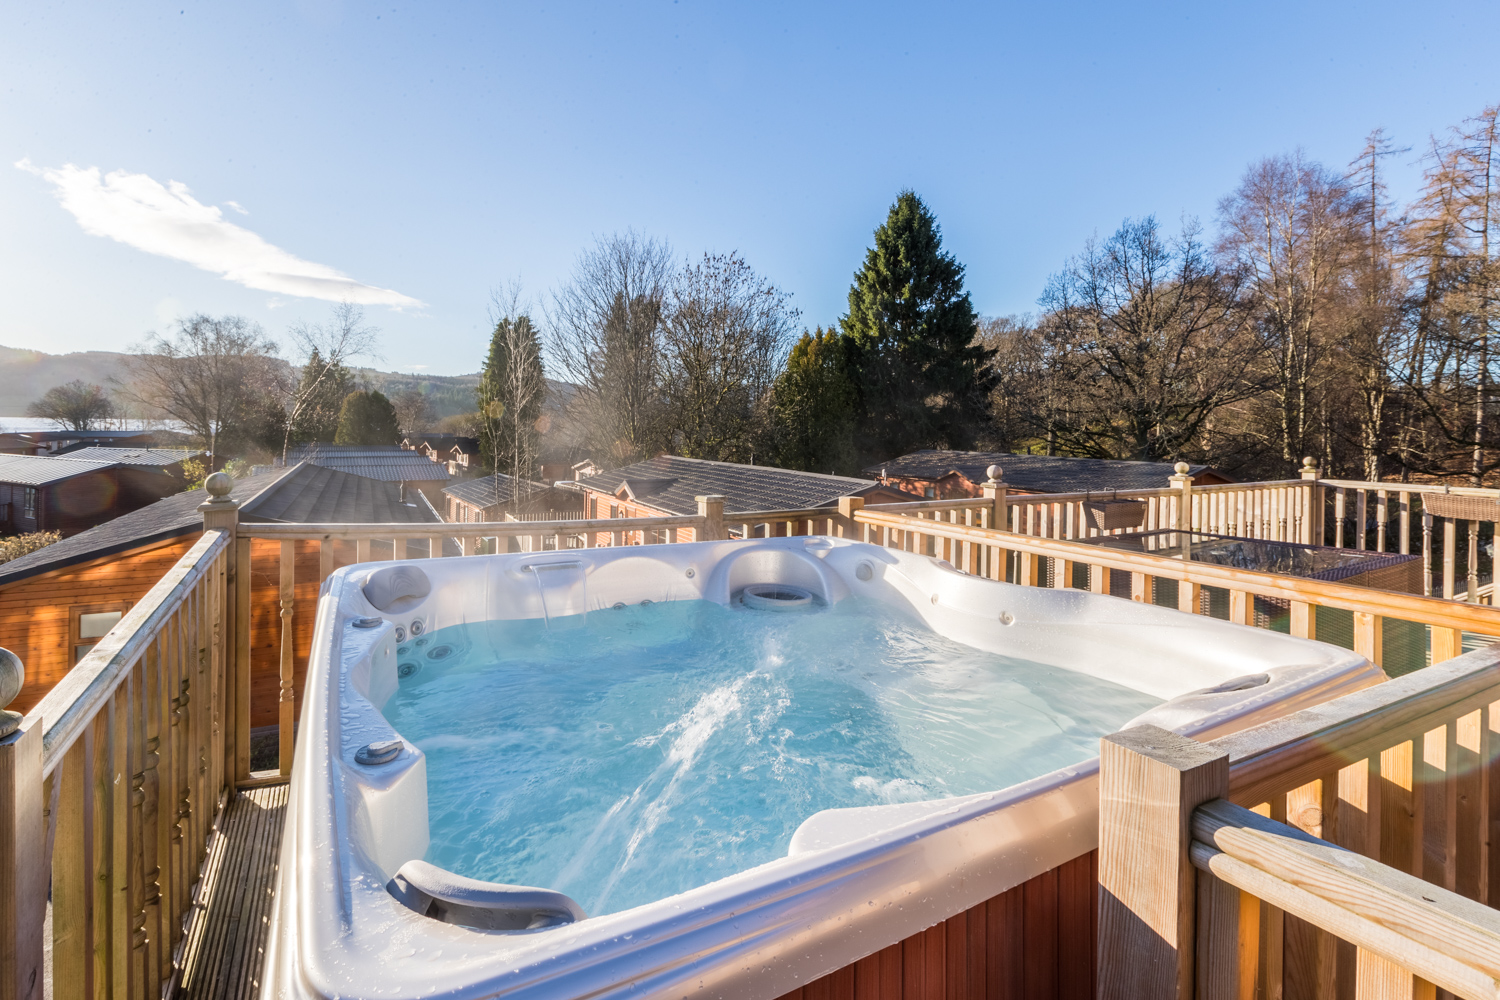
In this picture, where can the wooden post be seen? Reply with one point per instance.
(1312, 531)
(1426, 552)
(994, 491)
(1183, 483)
(24, 869)
(222, 513)
(711, 509)
(848, 528)
(1150, 781)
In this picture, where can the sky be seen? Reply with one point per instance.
(270, 159)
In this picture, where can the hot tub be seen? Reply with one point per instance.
(560, 716)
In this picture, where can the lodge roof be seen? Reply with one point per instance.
(166, 518)
(388, 463)
(491, 490)
(311, 494)
(1038, 473)
(43, 470)
(304, 493)
(160, 457)
(671, 483)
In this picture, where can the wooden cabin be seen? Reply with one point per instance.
(947, 475)
(57, 602)
(73, 493)
(384, 463)
(501, 497)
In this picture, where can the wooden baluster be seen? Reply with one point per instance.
(1378, 978)
(1400, 825)
(153, 826)
(1433, 817)
(1467, 748)
(434, 548)
(1311, 962)
(1240, 608)
(1473, 563)
(1304, 623)
(1382, 515)
(1405, 502)
(240, 693)
(1368, 635)
(1449, 557)
(362, 550)
(134, 691)
(73, 876)
(1426, 553)
(1188, 596)
(1339, 500)
(124, 900)
(286, 706)
(1140, 588)
(1098, 579)
(1446, 643)
(1360, 518)
(1489, 885)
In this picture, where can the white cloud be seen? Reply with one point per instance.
(139, 211)
(238, 207)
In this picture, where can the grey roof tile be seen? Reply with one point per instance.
(42, 470)
(390, 464)
(670, 483)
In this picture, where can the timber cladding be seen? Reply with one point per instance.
(38, 613)
(1036, 941)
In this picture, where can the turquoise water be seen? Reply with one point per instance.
(650, 749)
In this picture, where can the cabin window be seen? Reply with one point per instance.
(29, 508)
(930, 492)
(92, 622)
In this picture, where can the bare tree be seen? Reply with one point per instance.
(326, 349)
(210, 376)
(413, 411)
(1158, 341)
(725, 337)
(1290, 227)
(605, 335)
(76, 405)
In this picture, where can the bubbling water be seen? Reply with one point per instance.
(657, 748)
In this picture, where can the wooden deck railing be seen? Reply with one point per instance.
(1251, 598)
(109, 790)
(1344, 851)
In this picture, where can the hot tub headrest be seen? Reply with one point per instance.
(395, 589)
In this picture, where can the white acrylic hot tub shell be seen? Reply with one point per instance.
(854, 880)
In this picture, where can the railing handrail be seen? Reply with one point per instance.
(1434, 611)
(1463, 491)
(1446, 939)
(460, 529)
(68, 709)
(1298, 748)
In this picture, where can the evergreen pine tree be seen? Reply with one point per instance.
(367, 418)
(813, 407)
(510, 394)
(321, 391)
(911, 336)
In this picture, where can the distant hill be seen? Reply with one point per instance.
(25, 375)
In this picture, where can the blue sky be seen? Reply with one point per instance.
(416, 158)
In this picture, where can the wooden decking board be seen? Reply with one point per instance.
(226, 941)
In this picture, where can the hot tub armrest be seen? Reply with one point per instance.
(454, 899)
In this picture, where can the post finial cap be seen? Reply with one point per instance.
(219, 485)
(1308, 462)
(994, 473)
(12, 677)
(1181, 468)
